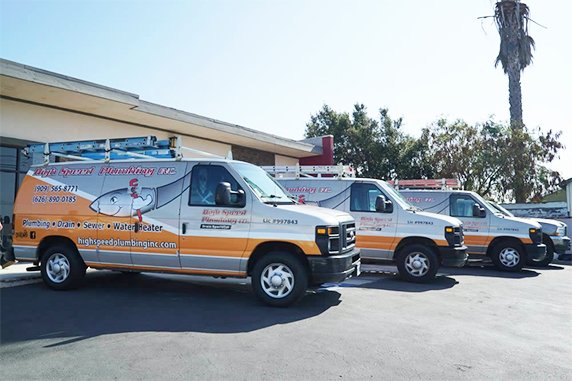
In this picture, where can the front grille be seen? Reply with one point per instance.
(342, 239)
(349, 236)
(459, 238)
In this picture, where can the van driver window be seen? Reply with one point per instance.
(204, 181)
(462, 206)
(363, 197)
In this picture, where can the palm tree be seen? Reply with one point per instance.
(515, 53)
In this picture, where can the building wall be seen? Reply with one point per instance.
(253, 156)
(539, 210)
(285, 160)
(569, 198)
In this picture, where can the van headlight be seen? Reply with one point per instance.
(561, 231)
(454, 235)
(535, 235)
(328, 239)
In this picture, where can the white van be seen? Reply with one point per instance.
(553, 236)
(388, 227)
(213, 217)
(508, 241)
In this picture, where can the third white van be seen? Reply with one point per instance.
(508, 241)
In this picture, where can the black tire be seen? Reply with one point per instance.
(62, 268)
(548, 258)
(508, 256)
(411, 256)
(282, 267)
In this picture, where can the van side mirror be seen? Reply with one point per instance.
(478, 211)
(383, 205)
(225, 196)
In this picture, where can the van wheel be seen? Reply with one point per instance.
(508, 256)
(279, 279)
(548, 258)
(62, 268)
(417, 263)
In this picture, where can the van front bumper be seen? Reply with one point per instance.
(535, 250)
(561, 244)
(334, 268)
(453, 256)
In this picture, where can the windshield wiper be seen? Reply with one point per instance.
(272, 201)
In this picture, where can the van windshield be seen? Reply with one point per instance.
(262, 184)
(395, 195)
(500, 209)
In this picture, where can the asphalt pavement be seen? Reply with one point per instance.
(470, 323)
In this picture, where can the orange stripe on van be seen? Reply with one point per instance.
(477, 240)
(215, 246)
(375, 242)
(307, 247)
(236, 247)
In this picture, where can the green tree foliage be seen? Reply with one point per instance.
(493, 159)
(487, 158)
(377, 149)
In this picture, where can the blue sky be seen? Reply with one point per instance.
(269, 65)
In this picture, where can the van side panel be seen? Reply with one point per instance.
(138, 211)
(476, 230)
(55, 201)
(430, 202)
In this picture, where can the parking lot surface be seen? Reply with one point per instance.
(470, 323)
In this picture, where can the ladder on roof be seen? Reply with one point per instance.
(311, 170)
(438, 184)
(144, 147)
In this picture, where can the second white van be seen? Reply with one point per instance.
(388, 227)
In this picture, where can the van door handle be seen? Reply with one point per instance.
(136, 227)
(184, 228)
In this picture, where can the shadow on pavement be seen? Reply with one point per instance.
(551, 266)
(393, 282)
(486, 270)
(110, 303)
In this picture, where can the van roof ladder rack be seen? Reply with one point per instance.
(311, 170)
(144, 147)
(438, 184)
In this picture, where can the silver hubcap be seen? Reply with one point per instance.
(509, 257)
(417, 264)
(277, 280)
(58, 268)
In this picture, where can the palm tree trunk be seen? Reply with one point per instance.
(515, 97)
